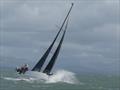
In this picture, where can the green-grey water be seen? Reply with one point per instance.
(9, 80)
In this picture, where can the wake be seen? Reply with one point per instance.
(62, 76)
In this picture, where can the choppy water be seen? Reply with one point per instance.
(61, 80)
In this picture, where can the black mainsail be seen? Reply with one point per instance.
(50, 65)
(41, 62)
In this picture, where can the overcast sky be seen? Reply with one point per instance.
(27, 27)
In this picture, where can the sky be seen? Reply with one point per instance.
(91, 44)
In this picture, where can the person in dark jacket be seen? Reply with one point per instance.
(22, 69)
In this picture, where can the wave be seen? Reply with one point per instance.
(59, 76)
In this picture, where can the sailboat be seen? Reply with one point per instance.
(40, 63)
(53, 59)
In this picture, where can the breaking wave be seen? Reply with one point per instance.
(59, 76)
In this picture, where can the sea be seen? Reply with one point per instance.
(60, 80)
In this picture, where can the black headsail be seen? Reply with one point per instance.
(40, 63)
(50, 65)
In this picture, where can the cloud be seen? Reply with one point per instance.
(92, 36)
